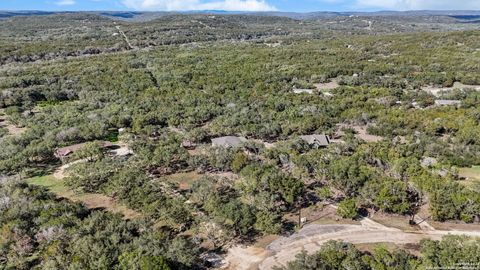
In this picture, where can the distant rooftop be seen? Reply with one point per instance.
(228, 141)
(316, 140)
(68, 150)
(444, 102)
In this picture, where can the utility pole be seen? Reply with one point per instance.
(300, 217)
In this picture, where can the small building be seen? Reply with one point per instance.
(316, 141)
(228, 141)
(444, 102)
(428, 162)
(68, 150)
(303, 91)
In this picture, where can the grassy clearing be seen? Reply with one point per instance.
(470, 173)
(471, 176)
(51, 183)
(91, 200)
(185, 180)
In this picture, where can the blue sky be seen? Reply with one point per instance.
(240, 5)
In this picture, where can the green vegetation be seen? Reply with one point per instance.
(471, 177)
(49, 182)
(236, 78)
(41, 231)
(347, 209)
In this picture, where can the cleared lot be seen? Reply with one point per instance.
(313, 236)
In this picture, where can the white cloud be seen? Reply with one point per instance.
(421, 4)
(171, 5)
(65, 2)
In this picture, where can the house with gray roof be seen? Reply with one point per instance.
(228, 141)
(316, 140)
(444, 102)
(303, 91)
(68, 150)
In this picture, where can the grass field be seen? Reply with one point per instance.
(471, 175)
(183, 180)
(91, 200)
(51, 183)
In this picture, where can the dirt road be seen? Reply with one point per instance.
(125, 37)
(313, 236)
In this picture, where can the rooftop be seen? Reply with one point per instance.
(68, 150)
(315, 139)
(228, 141)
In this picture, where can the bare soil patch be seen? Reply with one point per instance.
(228, 175)
(319, 214)
(392, 230)
(264, 241)
(12, 129)
(455, 226)
(95, 200)
(438, 91)
(55, 184)
(249, 258)
(327, 86)
(361, 132)
(394, 221)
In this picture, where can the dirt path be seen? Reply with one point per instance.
(124, 37)
(313, 236)
(60, 172)
(203, 24)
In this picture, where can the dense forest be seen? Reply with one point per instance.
(163, 89)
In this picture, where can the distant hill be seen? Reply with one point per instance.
(146, 16)
(8, 14)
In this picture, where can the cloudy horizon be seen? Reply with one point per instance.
(240, 5)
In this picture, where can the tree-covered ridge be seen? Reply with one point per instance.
(58, 36)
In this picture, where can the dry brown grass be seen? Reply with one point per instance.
(95, 200)
(471, 176)
(455, 226)
(183, 180)
(12, 129)
(327, 86)
(394, 221)
(90, 200)
(264, 241)
(319, 214)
